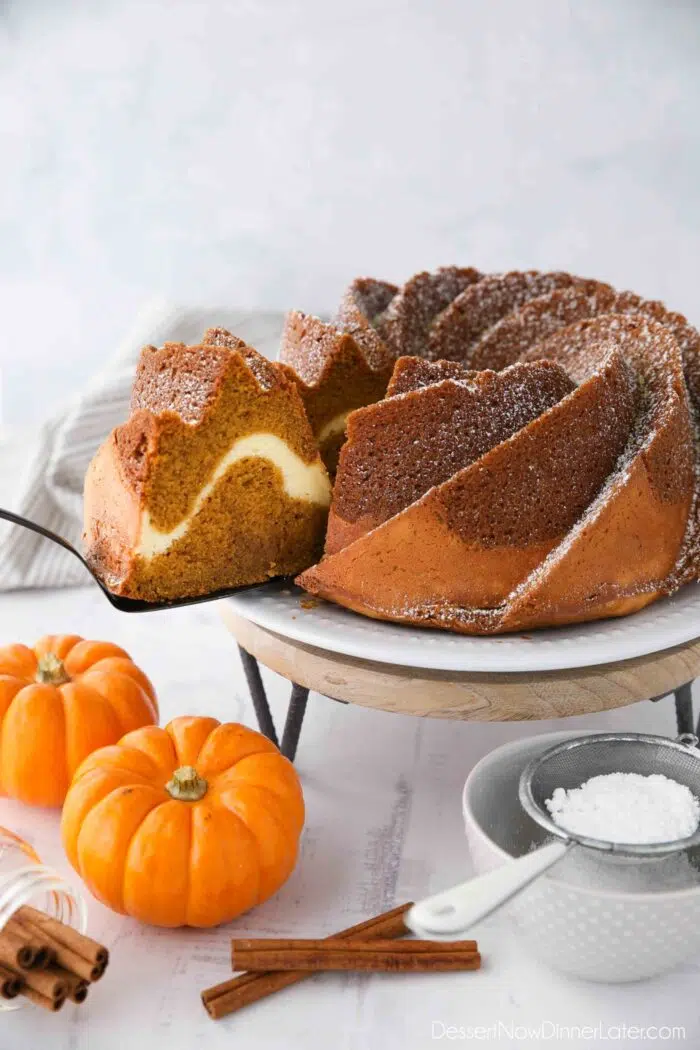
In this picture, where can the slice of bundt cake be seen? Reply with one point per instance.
(214, 481)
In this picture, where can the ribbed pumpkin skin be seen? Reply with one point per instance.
(171, 862)
(46, 730)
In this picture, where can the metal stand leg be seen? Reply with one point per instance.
(295, 717)
(295, 714)
(685, 722)
(258, 696)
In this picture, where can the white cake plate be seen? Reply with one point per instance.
(277, 607)
(545, 674)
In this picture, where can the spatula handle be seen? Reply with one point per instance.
(448, 915)
(33, 526)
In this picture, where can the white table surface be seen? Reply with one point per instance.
(384, 826)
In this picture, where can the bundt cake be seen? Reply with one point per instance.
(535, 460)
(333, 373)
(215, 480)
(347, 364)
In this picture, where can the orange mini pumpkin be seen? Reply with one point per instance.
(184, 826)
(58, 702)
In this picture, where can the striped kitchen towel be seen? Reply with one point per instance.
(41, 473)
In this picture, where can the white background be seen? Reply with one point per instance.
(263, 152)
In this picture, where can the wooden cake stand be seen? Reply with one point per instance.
(470, 696)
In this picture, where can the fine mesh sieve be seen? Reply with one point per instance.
(570, 764)
(451, 913)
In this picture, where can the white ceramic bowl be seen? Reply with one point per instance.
(596, 934)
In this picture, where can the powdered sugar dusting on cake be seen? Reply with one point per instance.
(264, 371)
(307, 342)
(406, 445)
(184, 379)
(482, 305)
(368, 295)
(413, 373)
(362, 305)
(405, 323)
(460, 335)
(310, 346)
(515, 334)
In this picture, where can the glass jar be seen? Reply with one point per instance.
(25, 880)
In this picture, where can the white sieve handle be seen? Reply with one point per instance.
(449, 914)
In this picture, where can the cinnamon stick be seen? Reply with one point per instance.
(10, 983)
(77, 942)
(76, 987)
(380, 956)
(55, 961)
(16, 952)
(43, 955)
(65, 956)
(356, 945)
(46, 983)
(43, 1000)
(79, 994)
(248, 988)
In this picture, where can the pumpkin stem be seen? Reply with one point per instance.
(187, 785)
(51, 670)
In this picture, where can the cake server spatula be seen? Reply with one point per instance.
(130, 605)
